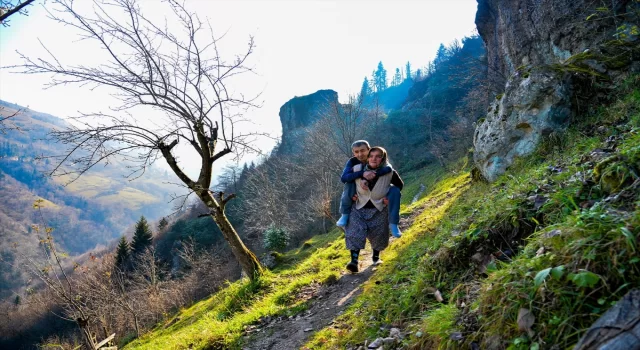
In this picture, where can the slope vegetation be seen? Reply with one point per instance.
(528, 262)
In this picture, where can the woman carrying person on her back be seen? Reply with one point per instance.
(369, 218)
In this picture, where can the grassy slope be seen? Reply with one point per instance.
(220, 320)
(573, 219)
(567, 217)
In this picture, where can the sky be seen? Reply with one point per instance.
(301, 46)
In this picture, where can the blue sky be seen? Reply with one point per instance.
(302, 46)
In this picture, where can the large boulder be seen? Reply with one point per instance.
(534, 48)
(531, 107)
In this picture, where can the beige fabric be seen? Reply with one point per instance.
(376, 196)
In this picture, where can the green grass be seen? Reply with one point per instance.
(218, 321)
(587, 267)
(414, 180)
(573, 254)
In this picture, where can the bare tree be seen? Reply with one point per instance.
(9, 8)
(6, 122)
(51, 272)
(346, 123)
(178, 72)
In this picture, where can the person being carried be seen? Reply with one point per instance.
(360, 151)
(369, 219)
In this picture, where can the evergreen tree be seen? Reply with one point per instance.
(365, 91)
(142, 237)
(441, 56)
(397, 78)
(408, 70)
(163, 224)
(380, 78)
(122, 252)
(418, 74)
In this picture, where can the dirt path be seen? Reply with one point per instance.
(326, 303)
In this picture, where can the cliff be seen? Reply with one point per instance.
(538, 51)
(299, 113)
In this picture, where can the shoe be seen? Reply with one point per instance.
(395, 231)
(342, 222)
(352, 266)
(377, 262)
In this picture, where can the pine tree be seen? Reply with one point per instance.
(162, 224)
(397, 78)
(365, 91)
(441, 56)
(418, 74)
(142, 237)
(380, 78)
(408, 71)
(122, 252)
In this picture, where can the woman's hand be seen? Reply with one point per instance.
(369, 175)
(385, 200)
(355, 197)
(364, 184)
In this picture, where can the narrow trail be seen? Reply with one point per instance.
(326, 303)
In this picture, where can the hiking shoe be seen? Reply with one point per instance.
(395, 231)
(377, 262)
(352, 266)
(342, 222)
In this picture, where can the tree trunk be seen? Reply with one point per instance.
(87, 337)
(248, 261)
(135, 321)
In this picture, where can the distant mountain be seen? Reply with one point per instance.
(88, 213)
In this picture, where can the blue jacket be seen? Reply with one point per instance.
(348, 175)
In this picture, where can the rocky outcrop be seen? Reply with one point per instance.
(299, 113)
(617, 329)
(534, 50)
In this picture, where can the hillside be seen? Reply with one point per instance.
(86, 214)
(555, 237)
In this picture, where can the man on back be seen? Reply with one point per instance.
(360, 151)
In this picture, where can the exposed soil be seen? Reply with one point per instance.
(326, 303)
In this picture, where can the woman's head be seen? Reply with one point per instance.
(377, 157)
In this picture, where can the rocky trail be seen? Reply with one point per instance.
(326, 303)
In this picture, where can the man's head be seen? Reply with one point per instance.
(377, 157)
(360, 150)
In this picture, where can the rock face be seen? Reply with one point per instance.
(617, 329)
(530, 109)
(299, 113)
(525, 39)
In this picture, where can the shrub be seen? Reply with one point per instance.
(276, 238)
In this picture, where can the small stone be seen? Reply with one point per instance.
(540, 251)
(418, 334)
(308, 329)
(456, 336)
(395, 332)
(376, 344)
(388, 340)
(438, 296)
